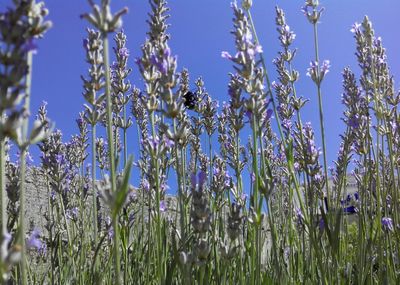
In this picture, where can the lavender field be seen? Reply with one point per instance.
(163, 184)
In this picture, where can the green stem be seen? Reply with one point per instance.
(159, 255)
(23, 149)
(111, 153)
(321, 113)
(3, 197)
(94, 190)
(24, 276)
(125, 137)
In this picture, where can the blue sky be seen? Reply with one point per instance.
(200, 30)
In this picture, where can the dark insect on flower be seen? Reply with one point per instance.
(190, 100)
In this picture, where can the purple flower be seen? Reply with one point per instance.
(163, 206)
(79, 121)
(354, 121)
(228, 179)
(43, 249)
(311, 149)
(387, 224)
(33, 240)
(168, 143)
(164, 187)
(287, 36)
(287, 124)
(161, 64)
(60, 159)
(145, 185)
(153, 142)
(248, 37)
(325, 67)
(317, 73)
(355, 28)
(318, 178)
(305, 10)
(123, 52)
(252, 51)
(313, 68)
(350, 210)
(167, 52)
(226, 55)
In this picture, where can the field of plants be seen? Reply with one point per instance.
(294, 221)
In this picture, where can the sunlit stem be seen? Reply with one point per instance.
(321, 113)
(111, 152)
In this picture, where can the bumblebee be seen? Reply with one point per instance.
(190, 100)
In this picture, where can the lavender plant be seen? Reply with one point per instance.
(289, 223)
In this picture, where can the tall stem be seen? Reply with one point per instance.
(125, 137)
(24, 277)
(111, 153)
(321, 113)
(94, 184)
(3, 198)
(23, 150)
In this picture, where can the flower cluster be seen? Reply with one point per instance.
(317, 72)
(311, 11)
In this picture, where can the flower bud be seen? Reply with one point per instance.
(246, 4)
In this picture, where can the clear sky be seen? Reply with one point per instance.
(200, 30)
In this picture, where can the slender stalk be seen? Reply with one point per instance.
(182, 208)
(159, 255)
(23, 151)
(257, 203)
(111, 153)
(321, 113)
(125, 137)
(3, 197)
(24, 277)
(94, 190)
